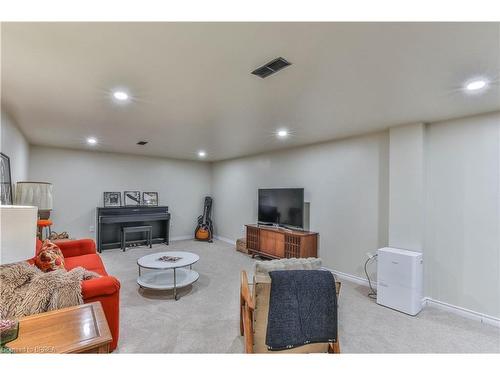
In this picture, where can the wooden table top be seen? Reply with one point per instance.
(74, 329)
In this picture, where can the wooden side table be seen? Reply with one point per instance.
(78, 329)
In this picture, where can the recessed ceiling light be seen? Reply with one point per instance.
(202, 154)
(282, 133)
(475, 85)
(120, 95)
(91, 141)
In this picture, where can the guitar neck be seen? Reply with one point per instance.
(206, 215)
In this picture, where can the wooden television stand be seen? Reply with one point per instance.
(274, 242)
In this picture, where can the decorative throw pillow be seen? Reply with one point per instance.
(50, 257)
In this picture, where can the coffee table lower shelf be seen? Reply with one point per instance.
(164, 280)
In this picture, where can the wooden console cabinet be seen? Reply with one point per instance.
(278, 243)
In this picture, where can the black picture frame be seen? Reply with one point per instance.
(150, 198)
(131, 198)
(112, 199)
(5, 180)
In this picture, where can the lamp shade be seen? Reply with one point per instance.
(37, 194)
(17, 233)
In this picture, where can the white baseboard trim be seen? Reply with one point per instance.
(462, 311)
(181, 238)
(352, 278)
(428, 301)
(224, 239)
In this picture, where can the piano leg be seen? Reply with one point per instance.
(98, 235)
(167, 230)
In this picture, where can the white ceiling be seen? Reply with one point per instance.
(193, 89)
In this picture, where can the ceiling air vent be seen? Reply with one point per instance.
(142, 143)
(271, 67)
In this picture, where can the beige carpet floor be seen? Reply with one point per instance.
(206, 318)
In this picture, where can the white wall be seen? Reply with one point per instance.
(81, 177)
(15, 146)
(462, 243)
(345, 181)
(406, 187)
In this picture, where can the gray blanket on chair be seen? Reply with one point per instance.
(302, 309)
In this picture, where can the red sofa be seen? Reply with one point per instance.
(105, 289)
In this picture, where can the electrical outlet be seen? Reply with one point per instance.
(91, 228)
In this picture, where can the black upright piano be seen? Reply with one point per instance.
(110, 220)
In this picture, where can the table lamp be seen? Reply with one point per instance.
(39, 194)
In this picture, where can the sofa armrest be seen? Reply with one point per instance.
(102, 286)
(75, 248)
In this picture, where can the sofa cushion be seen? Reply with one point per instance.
(91, 262)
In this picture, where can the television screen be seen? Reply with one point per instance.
(282, 206)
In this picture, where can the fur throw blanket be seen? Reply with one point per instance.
(25, 290)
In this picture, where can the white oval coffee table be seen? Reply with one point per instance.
(164, 278)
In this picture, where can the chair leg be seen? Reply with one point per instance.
(242, 328)
(46, 230)
(334, 347)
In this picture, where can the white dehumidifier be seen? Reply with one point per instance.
(400, 279)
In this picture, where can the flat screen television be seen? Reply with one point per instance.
(283, 207)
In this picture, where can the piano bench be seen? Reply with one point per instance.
(143, 228)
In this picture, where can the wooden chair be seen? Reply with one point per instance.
(254, 310)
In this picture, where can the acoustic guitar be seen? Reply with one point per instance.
(204, 229)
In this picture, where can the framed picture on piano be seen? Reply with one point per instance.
(150, 198)
(112, 199)
(132, 198)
